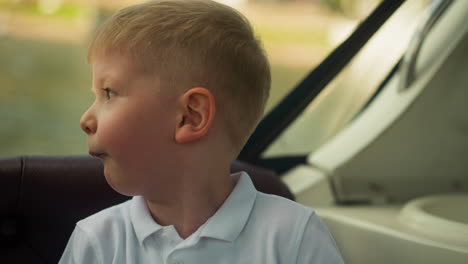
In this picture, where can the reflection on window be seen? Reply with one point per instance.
(45, 81)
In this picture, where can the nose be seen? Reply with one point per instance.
(88, 122)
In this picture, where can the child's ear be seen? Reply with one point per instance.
(196, 114)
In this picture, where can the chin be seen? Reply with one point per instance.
(119, 186)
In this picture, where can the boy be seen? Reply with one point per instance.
(180, 86)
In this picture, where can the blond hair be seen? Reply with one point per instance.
(196, 43)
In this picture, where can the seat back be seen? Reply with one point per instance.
(42, 198)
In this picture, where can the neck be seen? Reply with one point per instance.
(197, 198)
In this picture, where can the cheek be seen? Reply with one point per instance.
(136, 135)
(112, 130)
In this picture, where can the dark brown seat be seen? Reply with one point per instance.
(41, 199)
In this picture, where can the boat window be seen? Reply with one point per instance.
(45, 79)
(351, 89)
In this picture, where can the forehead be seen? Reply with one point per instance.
(123, 73)
(115, 67)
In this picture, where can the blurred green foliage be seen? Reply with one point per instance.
(350, 8)
(44, 89)
(298, 36)
(64, 10)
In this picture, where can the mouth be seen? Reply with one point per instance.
(97, 154)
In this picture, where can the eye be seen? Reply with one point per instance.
(109, 93)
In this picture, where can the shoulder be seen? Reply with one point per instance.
(280, 208)
(97, 237)
(296, 228)
(280, 223)
(280, 217)
(318, 245)
(110, 219)
(103, 237)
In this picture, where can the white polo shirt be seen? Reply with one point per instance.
(250, 227)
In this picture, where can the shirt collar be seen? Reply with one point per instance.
(143, 223)
(230, 219)
(226, 224)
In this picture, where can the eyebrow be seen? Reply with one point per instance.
(100, 83)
